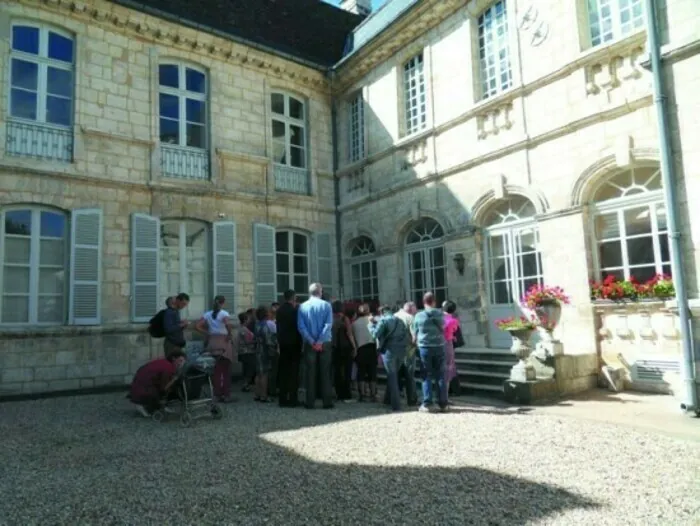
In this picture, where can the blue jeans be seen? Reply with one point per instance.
(392, 363)
(433, 359)
(410, 379)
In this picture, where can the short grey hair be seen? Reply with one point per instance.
(315, 289)
(408, 306)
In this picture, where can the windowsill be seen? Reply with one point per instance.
(413, 137)
(37, 331)
(613, 47)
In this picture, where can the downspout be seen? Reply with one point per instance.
(690, 395)
(336, 188)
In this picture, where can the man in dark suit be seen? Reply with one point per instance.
(290, 350)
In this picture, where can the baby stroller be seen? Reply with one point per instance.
(193, 392)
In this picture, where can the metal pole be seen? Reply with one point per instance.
(336, 189)
(690, 395)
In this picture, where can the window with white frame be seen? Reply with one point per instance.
(414, 95)
(288, 130)
(363, 269)
(357, 127)
(292, 253)
(41, 92)
(610, 20)
(630, 228)
(426, 265)
(34, 247)
(494, 50)
(185, 264)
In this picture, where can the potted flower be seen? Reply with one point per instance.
(660, 287)
(520, 329)
(546, 302)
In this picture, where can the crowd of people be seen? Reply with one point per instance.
(300, 352)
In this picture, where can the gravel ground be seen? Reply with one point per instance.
(90, 460)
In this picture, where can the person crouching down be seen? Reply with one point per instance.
(153, 380)
(266, 341)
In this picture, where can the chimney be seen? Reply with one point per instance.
(359, 7)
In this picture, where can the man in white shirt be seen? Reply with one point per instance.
(407, 374)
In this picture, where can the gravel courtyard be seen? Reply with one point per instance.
(90, 460)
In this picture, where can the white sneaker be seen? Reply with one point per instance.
(170, 410)
(142, 411)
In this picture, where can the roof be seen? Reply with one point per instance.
(311, 30)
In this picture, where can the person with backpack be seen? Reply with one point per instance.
(173, 326)
(216, 325)
(344, 352)
(428, 328)
(392, 337)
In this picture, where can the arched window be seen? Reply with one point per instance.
(292, 250)
(185, 249)
(425, 255)
(630, 225)
(363, 269)
(34, 248)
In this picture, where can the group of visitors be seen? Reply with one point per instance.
(330, 352)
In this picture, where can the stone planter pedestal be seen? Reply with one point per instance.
(522, 371)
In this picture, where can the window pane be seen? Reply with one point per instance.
(366, 269)
(169, 131)
(195, 81)
(58, 110)
(301, 265)
(17, 250)
(51, 309)
(279, 152)
(366, 288)
(25, 39)
(501, 293)
(283, 263)
(637, 221)
(282, 241)
(282, 283)
(640, 251)
(50, 281)
(439, 278)
(52, 224)
(18, 222)
(15, 309)
(169, 106)
(196, 111)
(438, 257)
(610, 254)
(296, 135)
(60, 47)
(607, 226)
(301, 283)
(23, 104)
(15, 280)
(277, 101)
(168, 75)
(278, 130)
(298, 157)
(52, 252)
(296, 108)
(196, 136)
(59, 82)
(355, 269)
(25, 74)
(663, 245)
(300, 244)
(661, 217)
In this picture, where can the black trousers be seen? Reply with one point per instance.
(288, 374)
(342, 371)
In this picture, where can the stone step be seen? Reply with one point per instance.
(483, 387)
(489, 374)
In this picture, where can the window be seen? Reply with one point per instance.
(292, 254)
(630, 225)
(34, 264)
(363, 267)
(288, 130)
(494, 50)
(185, 263)
(612, 19)
(415, 101)
(426, 261)
(183, 121)
(41, 93)
(357, 128)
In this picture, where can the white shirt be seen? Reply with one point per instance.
(216, 326)
(360, 330)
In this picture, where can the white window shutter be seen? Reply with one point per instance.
(85, 267)
(145, 263)
(324, 262)
(225, 262)
(264, 248)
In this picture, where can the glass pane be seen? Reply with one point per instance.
(196, 136)
(637, 221)
(282, 283)
(528, 265)
(661, 217)
(439, 278)
(278, 130)
(52, 224)
(168, 75)
(196, 111)
(23, 104)
(644, 273)
(282, 241)
(169, 131)
(60, 47)
(355, 270)
(279, 152)
(298, 157)
(501, 293)
(366, 269)
(15, 309)
(610, 254)
(277, 101)
(59, 82)
(297, 135)
(169, 106)
(300, 244)
(282, 263)
(25, 74)
(366, 288)
(51, 309)
(58, 110)
(418, 283)
(52, 252)
(663, 246)
(50, 281)
(301, 284)
(18, 222)
(296, 108)
(195, 81)
(416, 260)
(301, 265)
(666, 270)
(640, 251)
(607, 227)
(17, 250)
(497, 246)
(438, 257)
(16, 280)
(25, 39)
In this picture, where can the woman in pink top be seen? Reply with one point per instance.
(451, 324)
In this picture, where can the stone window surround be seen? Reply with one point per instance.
(413, 72)
(483, 93)
(617, 32)
(409, 52)
(288, 121)
(584, 30)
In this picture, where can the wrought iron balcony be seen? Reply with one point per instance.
(39, 141)
(292, 180)
(184, 163)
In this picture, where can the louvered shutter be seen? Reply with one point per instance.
(225, 262)
(86, 267)
(145, 261)
(324, 262)
(265, 264)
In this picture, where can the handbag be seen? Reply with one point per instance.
(458, 340)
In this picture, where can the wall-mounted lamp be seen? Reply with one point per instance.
(459, 263)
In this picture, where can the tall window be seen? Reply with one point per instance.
(34, 255)
(426, 261)
(357, 128)
(185, 263)
(363, 267)
(288, 130)
(415, 101)
(183, 121)
(630, 225)
(494, 51)
(612, 19)
(292, 262)
(41, 92)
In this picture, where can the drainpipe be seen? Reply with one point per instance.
(690, 395)
(336, 188)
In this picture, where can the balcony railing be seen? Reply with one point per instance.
(39, 141)
(292, 180)
(184, 163)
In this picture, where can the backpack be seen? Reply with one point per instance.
(156, 327)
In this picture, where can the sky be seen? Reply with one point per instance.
(376, 4)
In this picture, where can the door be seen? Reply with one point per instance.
(427, 273)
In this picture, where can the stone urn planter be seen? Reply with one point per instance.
(521, 372)
(549, 315)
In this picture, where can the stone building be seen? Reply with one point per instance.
(472, 148)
